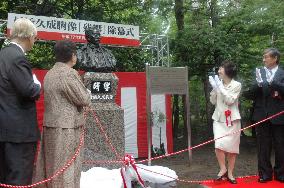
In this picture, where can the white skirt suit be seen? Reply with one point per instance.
(223, 101)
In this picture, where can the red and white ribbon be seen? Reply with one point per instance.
(125, 172)
(228, 116)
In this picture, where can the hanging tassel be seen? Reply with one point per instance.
(228, 117)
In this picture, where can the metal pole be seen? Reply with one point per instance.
(168, 52)
(158, 50)
(162, 51)
(153, 52)
(148, 107)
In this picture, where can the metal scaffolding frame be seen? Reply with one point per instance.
(156, 45)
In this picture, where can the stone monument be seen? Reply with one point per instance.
(98, 62)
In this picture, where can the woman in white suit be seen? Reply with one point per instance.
(226, 118)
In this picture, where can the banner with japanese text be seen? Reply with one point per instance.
(52, 28)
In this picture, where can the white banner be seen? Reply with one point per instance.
(52, 28)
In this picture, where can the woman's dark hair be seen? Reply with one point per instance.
(229, 68)
(64, 50)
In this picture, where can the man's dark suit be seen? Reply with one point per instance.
(19, 131)
(269, 100)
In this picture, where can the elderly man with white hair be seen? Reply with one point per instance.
(19, 89)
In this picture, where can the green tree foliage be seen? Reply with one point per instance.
(133, 12)
(202, 32)
(215, 30)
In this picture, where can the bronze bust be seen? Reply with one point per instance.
(92, 57)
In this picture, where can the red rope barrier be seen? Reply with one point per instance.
(69, 163)
(105, 134)
(58, 172)
(99, 124)
(212, 140)
(129, 162)
(197, 146)
(102, 162)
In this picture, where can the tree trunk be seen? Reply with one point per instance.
(175, 116)
(179, 14)
(80, 9)
(213, 13)
(207, 103)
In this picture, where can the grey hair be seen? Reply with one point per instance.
(23, 28)
(273, 52)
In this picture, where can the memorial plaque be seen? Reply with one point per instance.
(168, 80)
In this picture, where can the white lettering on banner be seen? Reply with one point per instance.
(74, 28)
(78, 37)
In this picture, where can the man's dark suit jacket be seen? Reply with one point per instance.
(268, 99)
(18, 93)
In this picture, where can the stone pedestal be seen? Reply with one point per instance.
(111, 117)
